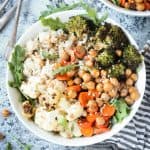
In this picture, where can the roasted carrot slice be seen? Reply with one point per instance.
(76, 88)
(83, 98)
(91, 117)
(62, 77)
(87, 131)
(108, 110)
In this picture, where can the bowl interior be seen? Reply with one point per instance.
(82, 141)
(126, 11)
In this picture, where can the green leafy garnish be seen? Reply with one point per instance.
(46, 55)
(8, 146)
(16, 66)
(122, 110)
(61, 7)
(54, 24)
(64, 69)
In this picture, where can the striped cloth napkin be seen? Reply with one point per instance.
(136, 135)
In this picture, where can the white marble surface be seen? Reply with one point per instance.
(138, 27)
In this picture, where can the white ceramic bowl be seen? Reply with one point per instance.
(82, 141)
(126, 11)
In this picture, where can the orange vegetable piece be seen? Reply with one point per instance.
(84, 123)
(100, 130)
(108, 110)
(76, 88)
(87, 131)
(83, 98)
(62, 77)
(91, 117)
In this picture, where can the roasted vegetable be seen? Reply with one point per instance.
(77, 25)
(131, 57)
(116, 38)
(105, 59)
(117, 70)
(122, 110)
(102, 31)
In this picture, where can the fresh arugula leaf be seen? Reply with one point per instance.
(16, 66)
(122, 110)
(46, 55)
(54, 24)
(61, 7)
(64, 69)
(8, 146)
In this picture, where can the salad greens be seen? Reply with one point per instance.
(56, 24)
(122, 110)
(64, 69)
(46, 55)
(16, 66)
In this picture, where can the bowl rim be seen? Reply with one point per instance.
(126, 11)
(84, 141)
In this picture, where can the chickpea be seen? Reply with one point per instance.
(90, 85)
(105, 97)
(100, 121)
(95, 73)
(5, 112)
(114, 81)
(72, 94)
(92, 106)
(127, 5)
(84, 86)
(134, 77)
(99, 87)
(132, 89)
(140, 6)
(93, 53)
(108, 87)
(98, 80)
(80, 73)
(86, 77)
(89, 63)
(118, 53)
(99, 102)
(124, 92)
(80, 51)
(71, 73)
(129, 82)
(65, 56)
(105, 81)
(134, 95)
(77, 80)
(129, 101)
(128, 72)
(70, 82)
(103, 73)
(113, 93)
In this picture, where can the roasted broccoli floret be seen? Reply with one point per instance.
(105, 59)
(117, 70)
(116, 38)
(102, 31)
(131, 57)
(77, 25)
